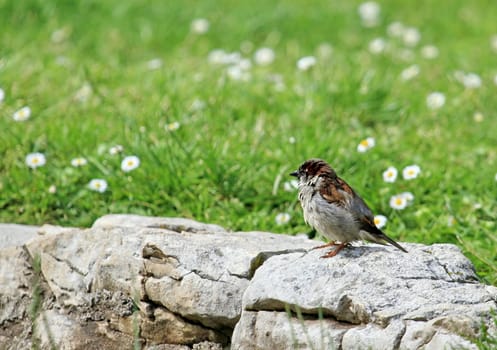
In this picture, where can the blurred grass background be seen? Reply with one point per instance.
(83, 67)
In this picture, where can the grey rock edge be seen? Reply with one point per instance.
(172, 283)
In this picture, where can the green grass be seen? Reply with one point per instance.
(227, 162)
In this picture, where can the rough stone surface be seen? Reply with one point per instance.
(379, 289)
(12, 235)
(172, 283)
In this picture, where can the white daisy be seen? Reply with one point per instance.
(478, 117)
(410, 72)
(130, 163)
(35, 160)
(395, 29)
(292, 140)
(370, 13)
(377, 46)
(411, 172)
(84, 93)
(79, 161)
(264, 56)
(390, 175)
(306, 62)
(398, 202)
(52, 189)
(172, 126)
(366, 145)
(199, 26)
(98, 185)
(471, 81)
(435, 100)
(429, 52)
(409, 197)
(116, 149)
(154, 64)
(2, 95)
(411, 36)
(380, 221)
(236, 72)
(282, 218)
(291, 185)
(22, 114)
(451, 221)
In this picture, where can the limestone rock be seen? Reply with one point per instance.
(12, 235)
(173, 224)
(377, 288)
(177, 284)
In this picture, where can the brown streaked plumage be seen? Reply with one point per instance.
(332, 207)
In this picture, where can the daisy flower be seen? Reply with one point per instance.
(292, 140)
(451, 221)
(52, 189)
(429, 52)
(409, 197)
(130, 163)
(478, 117)
(264, 56)
(22, 114)
(471, 81)
(370, 13)
(79, 161)
(435, 100)
(411, 36)
(377, 46)
(154, 64)
(305, 63)
(98, 185)
(398, 202)
(282, 218)
(390, 175)
(395, 29)
(116, 149)
(380, 221)
(366, 145)
(199, 26)
(411, 172)
(410, 72)
(35, 160)
(290, 186)
(172, 126)
(2, 95)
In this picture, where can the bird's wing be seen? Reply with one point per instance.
(337, 192)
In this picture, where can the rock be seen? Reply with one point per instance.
(173, 224)
(177, 284)
(12, 235)
(378, 289)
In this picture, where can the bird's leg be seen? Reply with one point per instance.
(329, 244)
(335, 251)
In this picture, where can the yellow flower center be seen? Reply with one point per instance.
(130, 163)
(97, 185)
(35, 160)
(365, 143)
(376, 221)
(399, 201)
(411, 172)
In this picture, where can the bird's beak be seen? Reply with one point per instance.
(295, 173)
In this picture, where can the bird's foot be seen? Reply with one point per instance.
(329, 244)
(335, 251)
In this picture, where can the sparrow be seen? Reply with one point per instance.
(333, 208)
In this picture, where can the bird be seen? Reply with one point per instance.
(334, 209)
